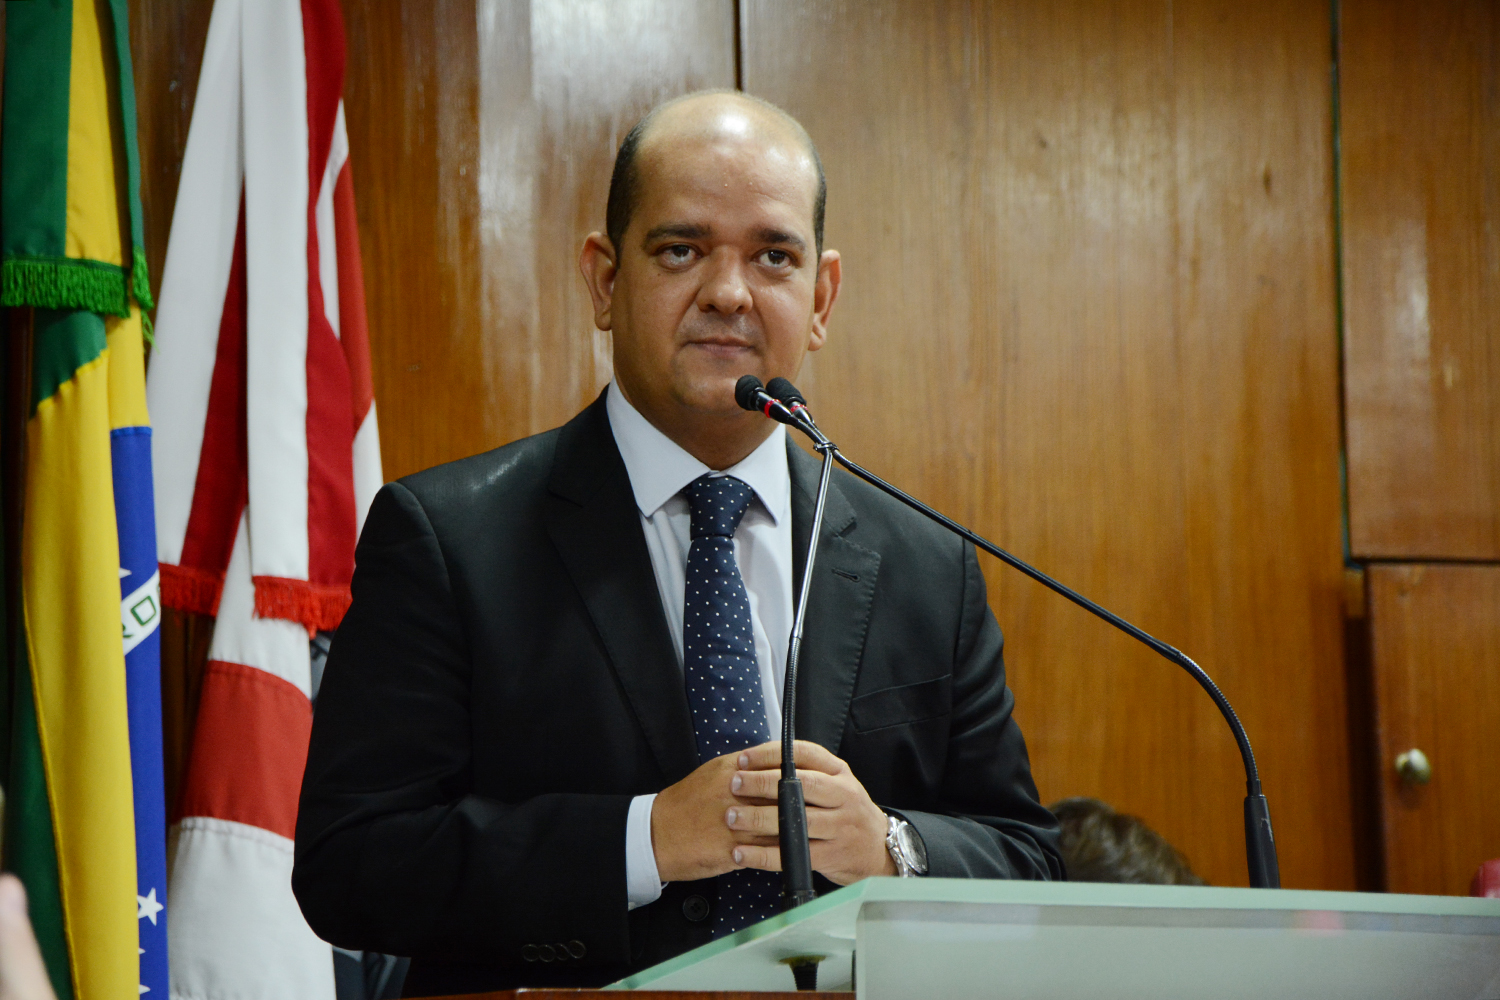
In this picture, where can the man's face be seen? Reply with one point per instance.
(718, 274)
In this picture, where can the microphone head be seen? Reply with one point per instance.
(785, 392)
(745, 390)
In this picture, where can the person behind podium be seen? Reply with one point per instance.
(544, 750)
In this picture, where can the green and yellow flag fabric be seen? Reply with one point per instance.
(71, 234)
(84, 779)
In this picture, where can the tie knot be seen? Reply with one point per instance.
(717, 503)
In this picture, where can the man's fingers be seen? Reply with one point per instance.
(761, 822)
(760, 758)
(767, 859)
(752, 819)
(755, 784)
(818, 787)
(810, 756)
(824, 790)
(815, 757)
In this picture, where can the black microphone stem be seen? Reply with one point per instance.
(1260, 843)
(796, 856)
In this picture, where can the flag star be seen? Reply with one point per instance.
(144, 988)
(147, 907)
(124, 572)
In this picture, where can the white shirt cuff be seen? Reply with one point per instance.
(642, 883)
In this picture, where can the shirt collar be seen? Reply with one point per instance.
(659, 467)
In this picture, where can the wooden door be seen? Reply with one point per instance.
(1436, 652)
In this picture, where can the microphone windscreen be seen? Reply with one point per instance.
(745, 390)
(785, 392)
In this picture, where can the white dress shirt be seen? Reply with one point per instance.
(659, 468)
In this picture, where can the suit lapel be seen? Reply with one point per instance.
(838, 607)
(591, 517)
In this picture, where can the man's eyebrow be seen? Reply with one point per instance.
(781, 237)
(681, 230)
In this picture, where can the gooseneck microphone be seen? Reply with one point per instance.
(796, 853)
(1260, 842)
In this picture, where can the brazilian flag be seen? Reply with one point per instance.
(85, 817)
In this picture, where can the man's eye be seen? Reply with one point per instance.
(777, 258)
(677, 253)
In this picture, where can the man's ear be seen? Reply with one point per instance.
(825, 292)
(598, 265)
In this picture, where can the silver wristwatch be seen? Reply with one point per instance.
(906, 847)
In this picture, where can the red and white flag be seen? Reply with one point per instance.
(267, 457)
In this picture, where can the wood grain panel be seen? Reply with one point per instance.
(1436, 632)
(1255, 297)
(411, 99)
(596, 68)
(185, 639)
(482, 136)
(166, 51)
(1091, 244)
(1420, 108)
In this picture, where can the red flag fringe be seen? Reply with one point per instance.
(185, 588)
(319, 607)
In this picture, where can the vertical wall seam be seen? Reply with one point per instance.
(1336, 123)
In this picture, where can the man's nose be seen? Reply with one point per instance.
(724, 289)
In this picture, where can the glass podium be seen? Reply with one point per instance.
(889, 938)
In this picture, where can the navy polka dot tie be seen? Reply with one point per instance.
(723, 678)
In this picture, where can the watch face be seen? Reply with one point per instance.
(913, 848)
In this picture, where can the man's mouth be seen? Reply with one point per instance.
(721, 346)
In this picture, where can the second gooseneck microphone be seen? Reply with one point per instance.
(780, 401)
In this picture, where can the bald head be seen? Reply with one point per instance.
(712, 115)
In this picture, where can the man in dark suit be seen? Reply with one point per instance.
(543, 752)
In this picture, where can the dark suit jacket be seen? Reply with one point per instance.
(504, 683)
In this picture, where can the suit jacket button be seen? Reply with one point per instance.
(561, 950)
(546, 953)
(695, 908)
(528, 953)
(576, 949)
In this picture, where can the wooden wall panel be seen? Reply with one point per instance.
(1420, 108)
(1436, 642)
(1090, 244)
(411, 97)
(166, 51)
(482, 134)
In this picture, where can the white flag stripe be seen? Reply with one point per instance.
(328, 258)
(237, 931)
(194, 280)
(271, 644)
(276, 202)
(368, 477)
(140, 612)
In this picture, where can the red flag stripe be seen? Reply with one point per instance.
(249, 749)
(331, 531)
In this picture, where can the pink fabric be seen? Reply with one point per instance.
(1487, 880)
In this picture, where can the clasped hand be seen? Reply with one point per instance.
(723, 816)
